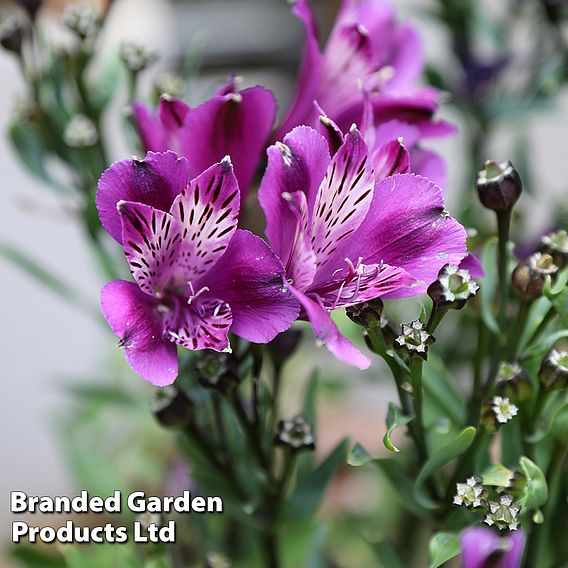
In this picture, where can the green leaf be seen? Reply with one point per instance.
(393, 471)
(497, 475)
(27, 142)
(440, 457)
(307, 496)
(535, 490)
(393, 420)
(34, 557)
(487, 289)
(42, 275)
(443, 547)
(440, 388)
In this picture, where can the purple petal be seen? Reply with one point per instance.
(390, 159)
(207, 214)
(480, 544)
(154, 181)
(301, 111)
(343, 198)
(407, 227)
(250, 278)
(203, 323)
(328, 334)
(329, 130)
(172, 113)
(472, 264)
(150, 129)
(352, 284)
(236, 124)
(133, 318)
(429, 164)
(407, 58)
(152, 245)
(395, 129)
(297, 165)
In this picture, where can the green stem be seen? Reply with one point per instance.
(513, 344)
(477, 390)
(417, 400)
(436, 316)
(549, 316)
(503, 226)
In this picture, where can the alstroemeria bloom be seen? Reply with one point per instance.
(366, 47)
(368, 52)
(197, 276)
(345, 238)
(483, 548)
(232, 122)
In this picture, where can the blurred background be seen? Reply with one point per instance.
(50, 348)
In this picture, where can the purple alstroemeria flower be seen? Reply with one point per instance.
(483, 548)
(232, 122)
(197, 276)
(366, 47)
(344, 237)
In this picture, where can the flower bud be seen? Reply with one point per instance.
(283, 346)
(556, 245)
(296, 434)
(82, 19)
(12, 31)
(414, 339)
(453, 288)
(499, 186)
(513, 382)
(80, 132)
(136, 57)
(530, 275)
(471, 494)
(171, 406)
(496, 412)
(503, 514)
(366, 314)
(30, 6)
(553, 373)
(217, 371)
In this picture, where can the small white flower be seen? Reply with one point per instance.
(470, 493)
(81, 18)
(504, 409)
(503, 514)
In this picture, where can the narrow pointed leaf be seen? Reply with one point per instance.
(443, 547)
(394, 419)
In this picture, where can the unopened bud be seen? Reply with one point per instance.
(82, 19)
(556, 245)
(136, 57)
(513, 382)
(414, 339)
(453, 287)
(499, 186)
(366, 314)
(553, 373)
(80, 132)
(530, 275)
(12, 31)
(217, 371)
(171, 406)
(283, 346)
(30, 6)
(296, 434)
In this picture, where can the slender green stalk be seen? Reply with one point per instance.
(503, 226)
(549, 316)
(515, 337)
(417, 399)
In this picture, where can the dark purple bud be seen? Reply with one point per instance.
(283, 346)
(217, 371)
(553, 373)
(530, 275)
(31, 7)
(171, 406)
(513, 382)
(499, 186)
(367, 314)
(556, 245)
(295, 434)
(12, 31)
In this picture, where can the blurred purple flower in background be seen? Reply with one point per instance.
(483, 548)
(232, 122)
(344, 237)
(197, 276)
